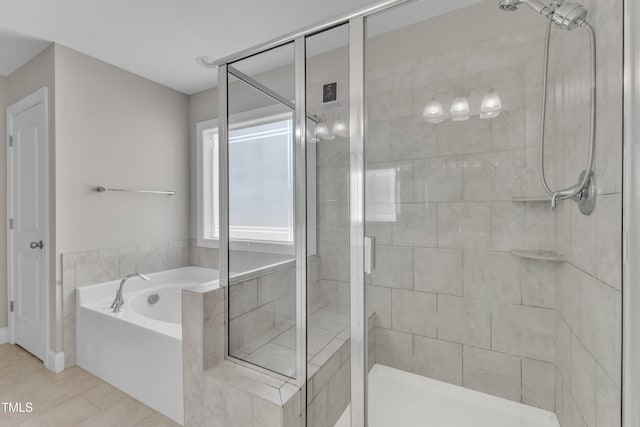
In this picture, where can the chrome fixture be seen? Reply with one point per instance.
(122, 190)
(153, 298)
(567, 16)
(119, 301)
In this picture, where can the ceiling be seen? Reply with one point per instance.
(159, 39)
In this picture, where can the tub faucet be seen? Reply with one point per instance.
(119, 301)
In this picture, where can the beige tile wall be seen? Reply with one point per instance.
(588, 296)
(451, 302)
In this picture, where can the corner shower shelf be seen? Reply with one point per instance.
(531, 199)
(537, 254)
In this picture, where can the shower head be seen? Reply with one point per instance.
(538, 6)
(566, 15)
(509, 5)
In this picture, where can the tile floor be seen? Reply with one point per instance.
(73, 397)
(328, 329)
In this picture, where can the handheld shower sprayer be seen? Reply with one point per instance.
(567, 16)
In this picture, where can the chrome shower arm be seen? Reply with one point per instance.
(541, 8)
(537, 5)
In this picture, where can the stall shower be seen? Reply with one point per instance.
(426, 259)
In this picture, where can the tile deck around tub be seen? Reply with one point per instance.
(72, 397)
(328, 330)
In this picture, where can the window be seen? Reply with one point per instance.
(261, 181)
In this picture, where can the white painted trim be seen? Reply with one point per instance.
(275, 244)
(37, 97)
(4, 335)
(201, 241)
(54, 361)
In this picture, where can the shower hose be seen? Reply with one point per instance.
(576, 190)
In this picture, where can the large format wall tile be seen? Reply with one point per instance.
(491, 372)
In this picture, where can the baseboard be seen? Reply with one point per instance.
(55, 361)
(4, 335)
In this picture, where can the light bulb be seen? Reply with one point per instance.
(340, 128)
(491, 105)
(460, 109)
(433, 112)
(322, 131)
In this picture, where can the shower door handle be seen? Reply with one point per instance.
(369, 254)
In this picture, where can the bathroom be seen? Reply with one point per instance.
(335, 220)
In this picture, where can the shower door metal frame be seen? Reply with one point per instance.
(359, 326)
(630, 390)
(224, 70)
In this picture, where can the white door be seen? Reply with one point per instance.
(27, 168)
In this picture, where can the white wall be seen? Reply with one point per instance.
(3, 207)
(118, 130)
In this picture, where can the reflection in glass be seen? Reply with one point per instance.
(262, 291)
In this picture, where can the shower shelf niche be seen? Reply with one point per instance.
(537, 254)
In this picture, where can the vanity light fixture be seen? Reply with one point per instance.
(340, 128)
(433, 112)
(491, 105)
(322, 132)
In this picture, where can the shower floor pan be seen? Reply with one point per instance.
(399, 398)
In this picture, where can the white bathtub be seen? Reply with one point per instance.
(139, 350)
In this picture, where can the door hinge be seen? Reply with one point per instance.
(11, 306)
(10, 140)
(10, 223)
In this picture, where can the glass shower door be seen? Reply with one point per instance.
(262, 242)
(452, 198)
(328, 324)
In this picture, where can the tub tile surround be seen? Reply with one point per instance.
(222, 392)
(219, 392)
(103, 265)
